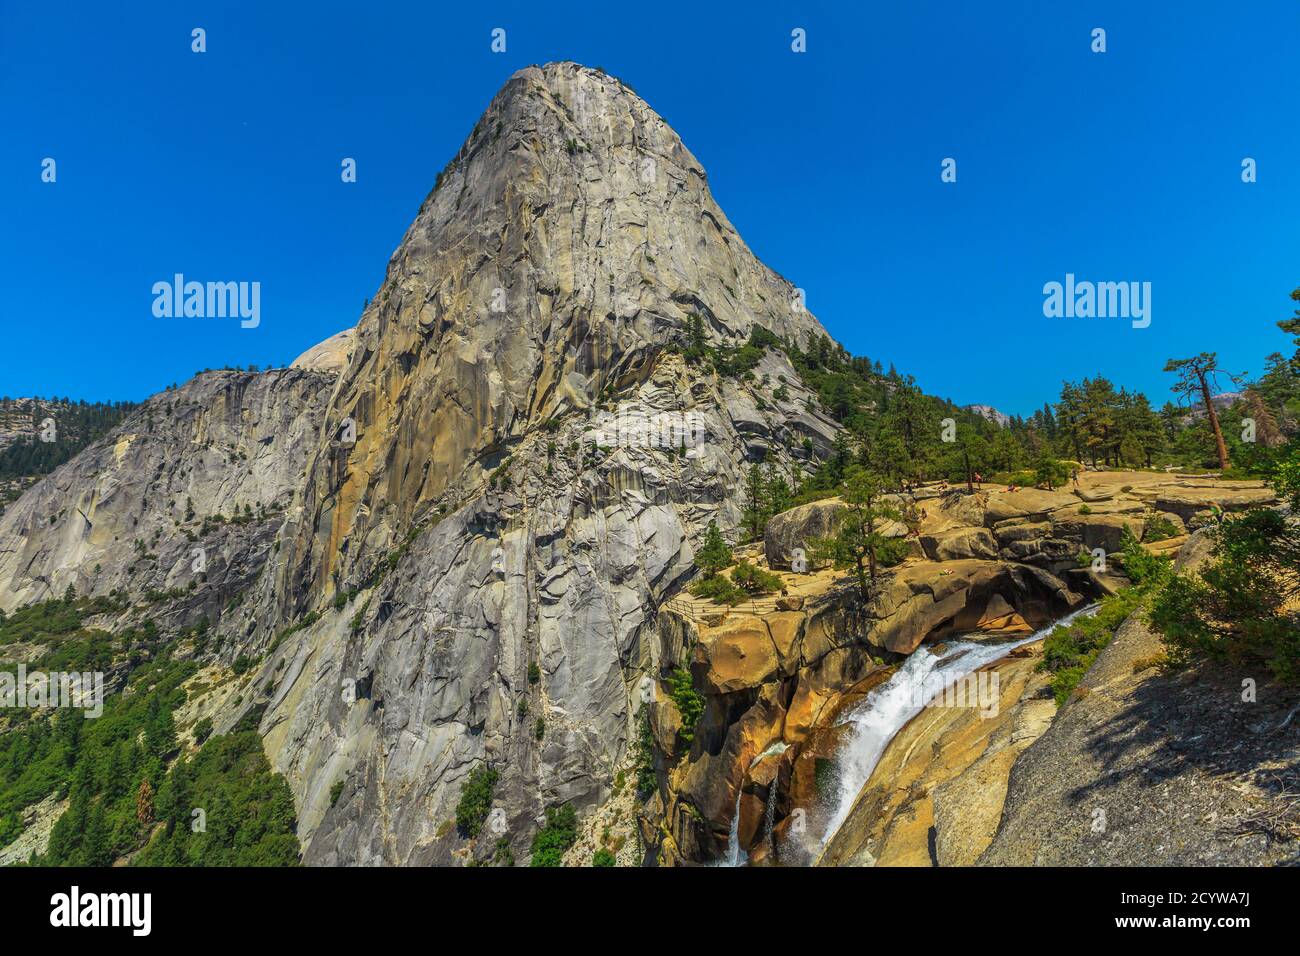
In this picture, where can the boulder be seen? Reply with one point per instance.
(1095, 497)
(1001, 618)
(1025, 503)
(1180, 526)
(964, 509)
(740, 654)
(957, 543)
(665, 721)
(1186, 503)
(796, 528)
(1097, 530)
(928, 601)
(1019, 529)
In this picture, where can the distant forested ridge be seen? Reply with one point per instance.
(24, 456)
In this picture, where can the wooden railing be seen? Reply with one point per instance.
(696, 609)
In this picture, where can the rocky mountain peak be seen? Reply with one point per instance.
(455, 509)
(569, 242)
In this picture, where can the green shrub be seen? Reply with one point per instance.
(552, 840)
(475, 800)
(336, 790)
(645, 754)
(1067, 679)
(752, 579)
(603, 857)
(1142, 567)
(503, 855)
(358, 619)
(690, 704)
(1070, 649)
(1020, 479)
(534, 672)
(1239, 609)
(717, 588)
(1159, 528)
(202, 730)
(1050, 473)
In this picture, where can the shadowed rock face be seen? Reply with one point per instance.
(1143, 766)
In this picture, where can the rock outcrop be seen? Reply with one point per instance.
(797, 529)
(329, 356)
(927, 601)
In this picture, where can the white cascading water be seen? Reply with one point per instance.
(888, 708)
(735, 855)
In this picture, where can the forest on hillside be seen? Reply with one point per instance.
(29, 447)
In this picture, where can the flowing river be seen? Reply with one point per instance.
(887, 708)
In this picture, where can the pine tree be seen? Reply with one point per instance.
(1195, 376)
(756, 502)
(857, 544)
(714, 555)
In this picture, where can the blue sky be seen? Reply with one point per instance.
(225, 165)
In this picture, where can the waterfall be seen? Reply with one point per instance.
(735, 855)
(880, 715)
(888, 708)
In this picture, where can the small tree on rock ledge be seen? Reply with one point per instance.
(714, 555)
(858, 544)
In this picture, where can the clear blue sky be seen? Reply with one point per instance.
(1117, 166)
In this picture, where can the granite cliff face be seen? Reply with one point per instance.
(455, 536)
(563, 247)
(462, 492)
(482, 498)
(129, 512)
